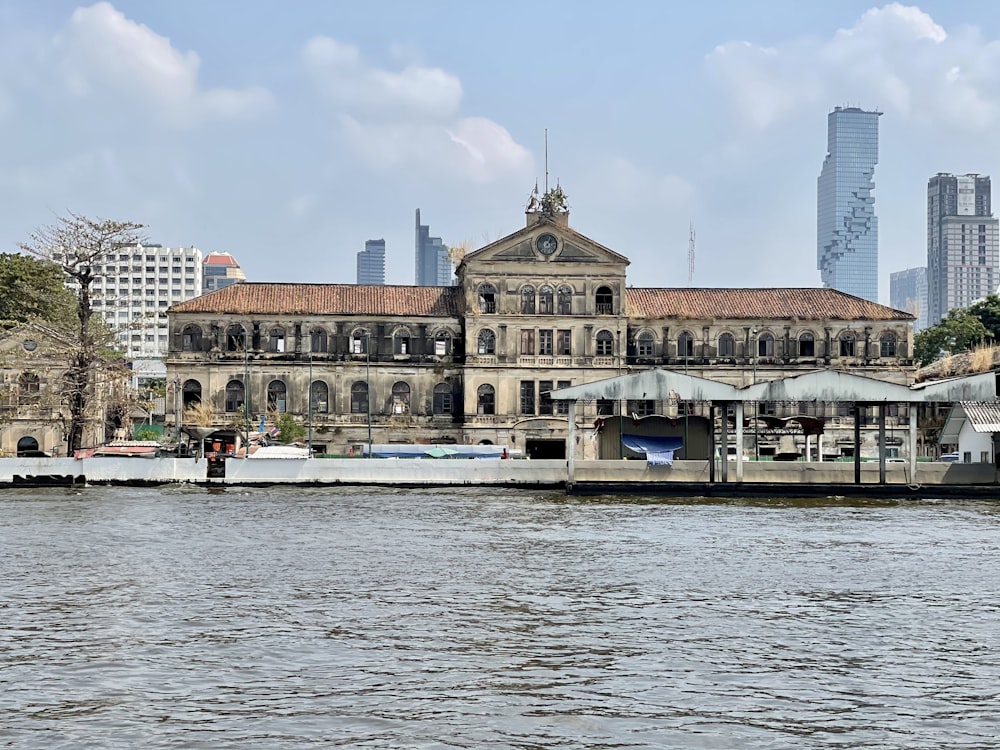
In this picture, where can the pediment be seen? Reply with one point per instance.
(524, 246)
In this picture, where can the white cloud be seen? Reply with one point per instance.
(102, 54)
(411, 117)
(895, 57)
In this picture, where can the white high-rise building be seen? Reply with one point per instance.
(134, 288)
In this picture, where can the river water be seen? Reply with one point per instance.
(288, 617)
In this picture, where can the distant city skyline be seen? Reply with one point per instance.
(846, 222)
(371, 263)
(908, 291)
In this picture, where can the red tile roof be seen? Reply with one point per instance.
(751, 304)
(220, 259)
(326, 299)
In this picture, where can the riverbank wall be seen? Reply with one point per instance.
(683, 478)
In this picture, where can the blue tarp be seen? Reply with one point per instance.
(646, 444)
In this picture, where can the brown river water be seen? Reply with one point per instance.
(481, 618)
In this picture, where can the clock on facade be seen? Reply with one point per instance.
(546, 244)
(29, 345)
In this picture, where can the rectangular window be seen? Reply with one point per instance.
(605, 407)
(544, 399)
(545, 342)
(528, 343)
(642, 408)
(562, 407)
(564, 343)
(527, 397)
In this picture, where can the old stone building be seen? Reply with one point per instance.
(540, 309)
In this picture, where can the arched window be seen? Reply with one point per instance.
(487, 298)
(765, 345)
(486, 400)
(276, 340)
(442, 344)
(442, 398)
(605, 344)
(888, 344)
(565, 300)
(359, 341)
(605, 300)
(727, 345)
(192, 393)
(400, 398)
(28, 388)
(847, 344)
(546, 296)
(527, 300)
(235, 396)
(236, 339)
(191, 338)
(319, 394)
(317, 340)
(685, 345)
(359, 398)
(807, 345)
(27, 446)
(487, 342)
(401, 341)
(644, 344)
(276, 397)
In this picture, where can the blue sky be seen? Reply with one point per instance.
(289, 133)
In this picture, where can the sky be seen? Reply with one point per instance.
(289, 133)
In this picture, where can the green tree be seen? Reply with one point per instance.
(81, 248)
(289, 429)
(958, 332)
(34, 289)
(988, 311)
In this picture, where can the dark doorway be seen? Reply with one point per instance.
(545, 448)
(27, 446)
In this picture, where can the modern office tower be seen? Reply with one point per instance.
(847, 228)
(133, 288)
(220, 270)
(963, 246)
(433, 266)
(371, 263)
(908, 291)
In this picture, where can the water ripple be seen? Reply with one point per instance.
(281, 618)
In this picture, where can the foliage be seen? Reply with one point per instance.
(988, 312)
(289, 430)
(80, 247)
(32, 288)
(146, 432)
(199, 415)
(960, 331)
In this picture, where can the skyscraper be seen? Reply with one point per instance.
(220, 270)
(908, 291)
(963, 246)
(433, 266)
(846, 226)
(371, 263)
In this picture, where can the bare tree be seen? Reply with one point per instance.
(82, 247)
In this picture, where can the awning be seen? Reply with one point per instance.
(648, 444)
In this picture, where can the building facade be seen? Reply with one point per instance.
(538, 310)
(371, 263)
(963, 243)
(220, 270)
(908, 291)
(847, 227)
(433, 264)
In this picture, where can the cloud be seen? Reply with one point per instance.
(101, 54)
(895, 57)
(410, 117)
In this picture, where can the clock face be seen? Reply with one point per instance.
(546, 244)
(30, 346)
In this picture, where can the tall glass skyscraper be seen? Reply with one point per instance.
(846, 226)
(433, 264)
(371, 263)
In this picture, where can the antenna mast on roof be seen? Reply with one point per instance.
(691, 256)
(546, 160)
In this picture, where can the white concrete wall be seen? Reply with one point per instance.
(447, 472)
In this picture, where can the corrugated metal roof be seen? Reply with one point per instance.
(326, 299)
(754, 304)
(983, 416)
